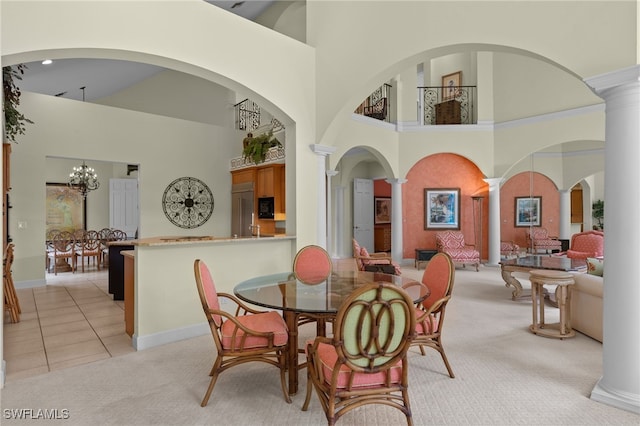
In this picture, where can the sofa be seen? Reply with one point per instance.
(586, 305)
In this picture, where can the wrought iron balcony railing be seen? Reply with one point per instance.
(377, 104)
(447, 105)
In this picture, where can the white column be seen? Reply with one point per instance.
(565, 214)
(493, 233)
(339, 222)
(331, 214)
(322, 152)
(620, 382)
(396, 219)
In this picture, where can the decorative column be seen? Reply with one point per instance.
(331, 215)
(477, 223)
(396, 219)
(494, 221)
(619, 385)
(339, 224)
(565, 214)
(322, 152)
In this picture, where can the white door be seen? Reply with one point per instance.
(363, 212)
(123, 205)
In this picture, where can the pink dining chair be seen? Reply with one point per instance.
(366, 360)
(438, 277)
(250, 335)
(312, 264)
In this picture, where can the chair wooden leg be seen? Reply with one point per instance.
(215, 371)
(282, 361)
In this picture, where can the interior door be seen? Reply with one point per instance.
(363, 212)
(123, 205)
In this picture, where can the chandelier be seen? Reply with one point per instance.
(84, 178)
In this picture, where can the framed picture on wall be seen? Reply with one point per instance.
(451, 85)
(66, 209)
(382, 210)
(442, 208)
(528, 211)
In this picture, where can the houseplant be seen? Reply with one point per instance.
(597, 211)
(14, 120)
(256, 147)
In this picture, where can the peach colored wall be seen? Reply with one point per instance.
(381, 188)
(442, 171)
(521, 185)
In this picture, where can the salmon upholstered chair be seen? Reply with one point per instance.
(366, 360)
(438, 277)
(539, 239)
(312, 265)
(586, 244)
(452, 243)
(364, 259)
(249, 335)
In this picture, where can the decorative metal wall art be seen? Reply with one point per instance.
(187, 202)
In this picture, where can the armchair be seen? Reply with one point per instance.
(366, 360)
(246, 336)
(452, 243)
(364, 258)
(586, 244)
(539, 239)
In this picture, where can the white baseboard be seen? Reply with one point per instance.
(169, 336)
(627, 402)
(29, 284)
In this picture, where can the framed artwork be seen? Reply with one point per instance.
(450, 85)
(382, 210)
(442, 208)
(66, 209)
(528, 211)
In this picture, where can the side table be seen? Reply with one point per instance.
(423, 255)
(538, 278)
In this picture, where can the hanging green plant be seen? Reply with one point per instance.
(14, 120)
(255, 148)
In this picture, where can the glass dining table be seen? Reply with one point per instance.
(283, 291)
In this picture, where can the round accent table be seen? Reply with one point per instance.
(561, 279)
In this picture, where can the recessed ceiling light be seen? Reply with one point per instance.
(47, 62)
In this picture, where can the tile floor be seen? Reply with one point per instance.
(72, 320)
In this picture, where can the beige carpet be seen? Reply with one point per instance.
(504, 376)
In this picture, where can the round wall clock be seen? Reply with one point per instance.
(187, 202)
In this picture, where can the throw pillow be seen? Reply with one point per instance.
(595, 266)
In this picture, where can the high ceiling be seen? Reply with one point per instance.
(102, 77)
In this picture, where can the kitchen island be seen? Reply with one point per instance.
(166, 304)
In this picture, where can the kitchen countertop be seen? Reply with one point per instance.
(190, 239)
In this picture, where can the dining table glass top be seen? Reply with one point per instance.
(283, 291)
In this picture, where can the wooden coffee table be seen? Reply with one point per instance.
(528, 263)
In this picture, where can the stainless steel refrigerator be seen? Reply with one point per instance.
(241, 209)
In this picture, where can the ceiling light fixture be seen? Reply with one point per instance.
(84, 178)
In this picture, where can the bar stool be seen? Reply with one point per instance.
(538, 278)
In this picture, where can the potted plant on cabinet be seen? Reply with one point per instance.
(255, 147)
(14, 120)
